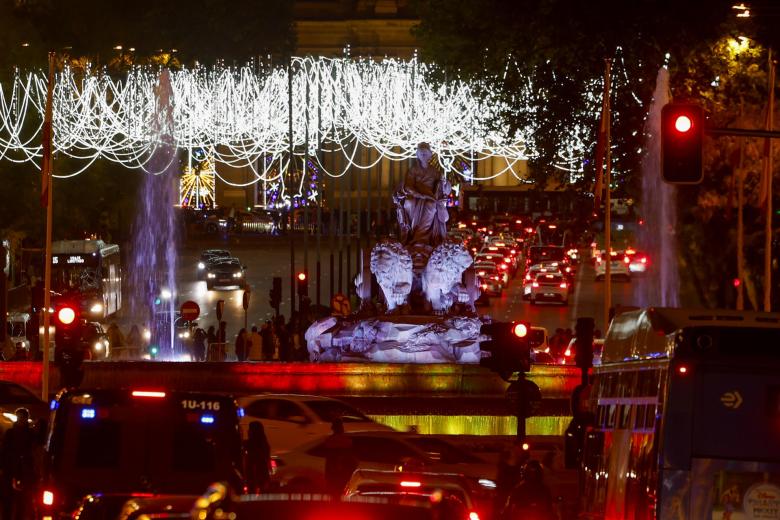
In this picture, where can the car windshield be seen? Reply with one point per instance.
(443, 450)
(329, 410)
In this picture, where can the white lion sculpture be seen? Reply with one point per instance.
(443, 273)
(392, 266)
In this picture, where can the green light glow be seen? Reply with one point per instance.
(474, 424)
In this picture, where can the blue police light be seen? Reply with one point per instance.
(241, 412)
(53, 405)
(88, 413)
(207, 419)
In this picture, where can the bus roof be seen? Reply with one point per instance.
(645, 333)
(83, 247)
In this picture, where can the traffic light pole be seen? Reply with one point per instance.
(607, 196)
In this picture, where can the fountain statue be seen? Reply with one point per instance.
(427, 283)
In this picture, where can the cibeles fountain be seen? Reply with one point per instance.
(428, 288)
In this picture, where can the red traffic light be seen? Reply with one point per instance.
(302, 276)
(683, 123)
(66, 315)
(520, 330)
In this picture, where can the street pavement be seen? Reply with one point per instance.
(266, 257)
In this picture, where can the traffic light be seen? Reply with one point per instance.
(68, 349)
(682, 132)
(303, 283)
(583, 332)
(509, 347)
(275, 294)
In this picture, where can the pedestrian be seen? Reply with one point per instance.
(282, 348)
(199, 345)
(531, 498)
(115, 338)
(299, 351)
(241, 345)
(17, 468)
(510, 469)
(211, 339)
(267, 335)
(340, 458)
(258, 458)
(255, 345)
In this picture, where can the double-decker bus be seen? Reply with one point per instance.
(687, 417)
(88, 272)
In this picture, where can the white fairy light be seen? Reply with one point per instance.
(242, 116)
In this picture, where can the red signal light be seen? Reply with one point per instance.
(302, 276)
(683, 124)
(66, 315)
(520, 330)
(682, 369)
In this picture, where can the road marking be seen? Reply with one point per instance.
(575, 308)
(731, 400)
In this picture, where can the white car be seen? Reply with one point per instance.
(531, 274)
(291, 420)
(550, 287)
(618, 267)
(304, 468)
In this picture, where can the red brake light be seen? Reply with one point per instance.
(568, 352)
(563, 285)
(504, 267)
(528, 277)
(643, 259)
(473, 515)
(148, 393)
(47, 498)
(484, 286)
(535, 284)
(682, 369)
(410, 484)
(626, 260)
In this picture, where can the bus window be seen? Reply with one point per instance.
(611, 416)
(98, 445)
(639, 417)
(627, 383)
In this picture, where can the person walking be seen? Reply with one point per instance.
(267, 335)
(255, 345)
(531, 498)
(340, 459)
(508, 476)
(211, 340)
(199, 345)
(258, 458)
(17, 468)
(241, 345)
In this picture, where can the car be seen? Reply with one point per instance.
(291, 420)
(13, 397)
(423, 485)
(102, 506)
(207, 256)
(618, 267)
(94, 341)
(159, 507)
(550, 287)
(490, 270)
(218, 503)
(490, 286)
(102, 441)
(225, 272)
(304, 468)
(538, 254)
(637, 261)
(530, 277)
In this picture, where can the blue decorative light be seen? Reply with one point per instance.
(88, 413)
(207, 419)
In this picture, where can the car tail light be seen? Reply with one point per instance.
(504, 267)
(513, 251)
(568, 352)
(528, 277)
(411, 484)
(535, 284)
(148, 393)
(484, 286)
(507, 260)
(47, 498)
(495, 278)
(643, 260)
(473, 515)
(682, 370)
(563, 285)
(626, 260)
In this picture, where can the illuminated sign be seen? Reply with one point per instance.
(75, 259)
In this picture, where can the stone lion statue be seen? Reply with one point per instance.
(392, 266)
(441, 277)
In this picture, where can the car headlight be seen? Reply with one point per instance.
(238, 274)
(487, 483)
(96, 308)
(98, 345)
(201, 265)
(212, 275)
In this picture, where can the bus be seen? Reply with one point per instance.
(88, 272)
(138, 441)
(686, 408)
